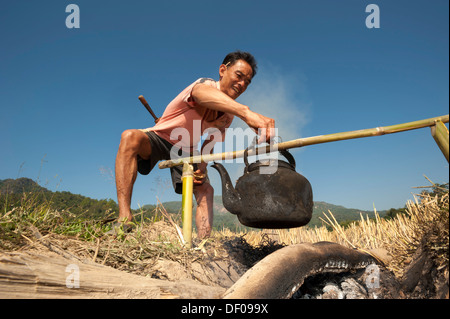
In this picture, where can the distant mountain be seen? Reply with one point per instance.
(222, 218)
(20, 185)
(98, 209)
(12, 194)
(341, 213)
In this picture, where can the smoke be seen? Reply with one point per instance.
(282, 97)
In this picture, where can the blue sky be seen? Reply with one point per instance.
(67, 94)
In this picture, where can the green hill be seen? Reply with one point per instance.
(20, 185)
(26, 192)
(342, 214)
(222, 218)
(13, 192)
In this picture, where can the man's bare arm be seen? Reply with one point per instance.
(214, 99)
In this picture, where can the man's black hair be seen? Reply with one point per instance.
(232, 57)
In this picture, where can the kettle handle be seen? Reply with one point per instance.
(285, 153)
(252, 145)
(246, 160)
(288, 156)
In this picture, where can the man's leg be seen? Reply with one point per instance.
(204, 194)
(132, 144)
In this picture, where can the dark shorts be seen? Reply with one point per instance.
(161, 151)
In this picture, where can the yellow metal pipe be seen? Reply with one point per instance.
(186, 202)
(440, 135)
(309, 141)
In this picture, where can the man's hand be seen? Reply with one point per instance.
(200, 174)
(261, 125)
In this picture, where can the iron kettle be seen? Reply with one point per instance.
(280, 199)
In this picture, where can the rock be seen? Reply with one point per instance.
(353, 290)
(332, 291)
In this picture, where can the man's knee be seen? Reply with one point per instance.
(136, 141)
(129, 138)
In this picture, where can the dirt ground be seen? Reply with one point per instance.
(150, 253)
(213, 266)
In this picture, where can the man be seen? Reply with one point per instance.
(206, 102)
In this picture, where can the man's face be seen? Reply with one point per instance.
(235, 79)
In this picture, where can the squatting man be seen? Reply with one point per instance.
(211, 103)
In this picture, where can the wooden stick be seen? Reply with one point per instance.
(309, 141)
(186, 203)
(147, 106)
(440, 135)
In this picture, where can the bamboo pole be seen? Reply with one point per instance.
(440, 134)
(186, 203)
(378, 131)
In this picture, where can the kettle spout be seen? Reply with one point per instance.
(230, 197)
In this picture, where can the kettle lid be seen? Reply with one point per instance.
(270, 162)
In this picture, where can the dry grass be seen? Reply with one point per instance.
(426, 222)
(39, 228)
